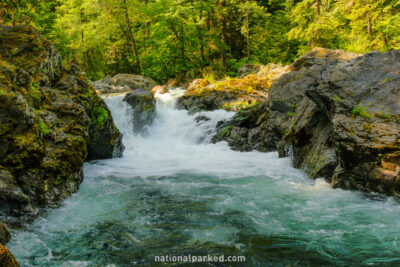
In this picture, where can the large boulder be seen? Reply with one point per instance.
(337, 114)
(122, 83)
(143, 106)
(51, 121)
(230, 93)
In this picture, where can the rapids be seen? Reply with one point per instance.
(174, 193)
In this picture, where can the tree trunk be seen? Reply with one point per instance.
(248, 34)
(130, 34)
(223, 34)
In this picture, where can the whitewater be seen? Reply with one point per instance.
(175, 193)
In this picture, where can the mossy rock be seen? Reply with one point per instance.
(6, 258)
(51, 121)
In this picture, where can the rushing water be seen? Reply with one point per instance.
(173, 193)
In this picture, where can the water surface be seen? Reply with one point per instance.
(173, 193)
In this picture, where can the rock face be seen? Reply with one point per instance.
(231, 93)
(143, 106)
(121, 83)
(51, 121)
(336, 114)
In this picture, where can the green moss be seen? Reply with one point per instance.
(236, 105)
(43, 128)
(99, 115)
(384, 115)
(34, 91)
(2, 92)
(361, 111)
(290, 114)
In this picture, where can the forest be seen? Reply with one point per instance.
(162, 39)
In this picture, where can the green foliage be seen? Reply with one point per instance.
(99, 115)
(290, 114)
(360, 110)
(384, 115)
(181, 38)
(43, 128)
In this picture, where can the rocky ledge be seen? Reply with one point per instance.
(231, 93)
(51, 121)
(336, 114)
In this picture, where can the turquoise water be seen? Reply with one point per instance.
(173, 193)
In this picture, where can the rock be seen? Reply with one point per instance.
(201, 118)
(5, 235)
(143, 105)
(337, 114)
(51, 121)
(133, 81)
(6, 258)
(231, 93)
(159, 90)
(122, 83)
(247, 69)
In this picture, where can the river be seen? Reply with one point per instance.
(174, 193)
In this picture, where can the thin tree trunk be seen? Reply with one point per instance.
(248, 35)
(223, 34)
(130, 34)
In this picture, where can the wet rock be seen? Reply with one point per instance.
(201, 118)
(143, 105)
(6, 258)
(231, 93)
(51, 121)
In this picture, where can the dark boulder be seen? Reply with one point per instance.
(143, 106)
(336, 114)
(51, 121)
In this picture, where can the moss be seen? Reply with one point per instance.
(360, 110)
(6, 258)
(237, 105)
(42, 127)
(99, 115)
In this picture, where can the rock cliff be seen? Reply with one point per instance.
(336, 113)
(51, 121)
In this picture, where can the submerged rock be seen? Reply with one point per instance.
(143, 105)
(337, 114)
(231, 93)
(51, 121)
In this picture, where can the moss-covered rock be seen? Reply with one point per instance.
(51, 121)
(6, 258)
(230, 93)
